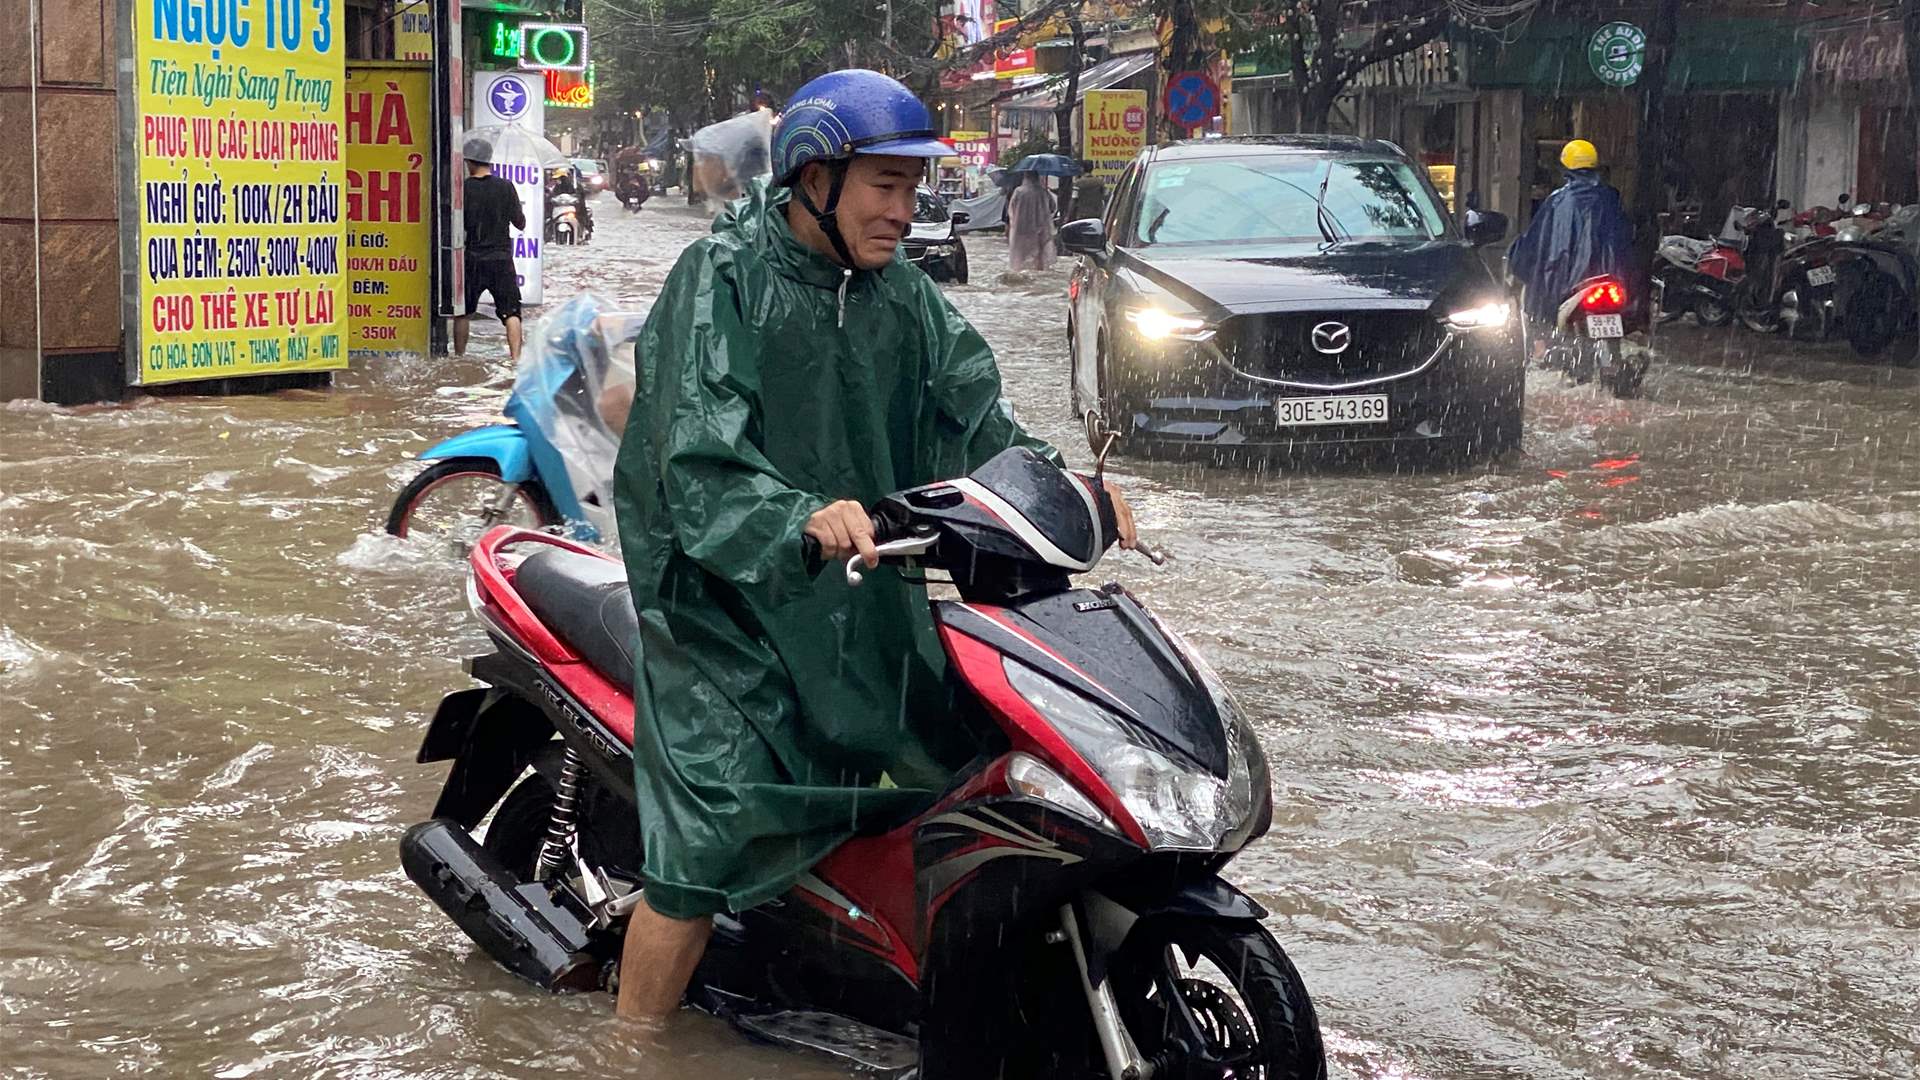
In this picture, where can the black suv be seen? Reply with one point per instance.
(1290, 292)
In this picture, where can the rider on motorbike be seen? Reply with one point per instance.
(1580, 231)
(796, 371)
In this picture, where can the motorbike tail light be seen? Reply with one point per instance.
(1604, 298)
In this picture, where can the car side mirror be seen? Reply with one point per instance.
(959, 217)
(1088, 236)
(1486, 227)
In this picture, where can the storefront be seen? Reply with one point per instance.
(1031, 111)
(1719, 147)
(1849, 128)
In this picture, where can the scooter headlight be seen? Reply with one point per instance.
(1180, 807)
(1249, 786)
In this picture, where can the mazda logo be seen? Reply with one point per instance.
(1332, 338)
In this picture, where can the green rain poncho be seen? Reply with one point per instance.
(777, 710)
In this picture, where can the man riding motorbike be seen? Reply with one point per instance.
(795, 371)
(1580, 231)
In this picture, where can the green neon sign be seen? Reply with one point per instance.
(502, 39)
(553, 46)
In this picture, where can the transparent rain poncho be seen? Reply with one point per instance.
(732, 152)
(571, 394)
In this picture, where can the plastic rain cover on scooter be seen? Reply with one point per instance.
(571, 394)
(728, 154)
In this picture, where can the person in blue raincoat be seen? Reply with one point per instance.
(1580, 231)
(793, 371)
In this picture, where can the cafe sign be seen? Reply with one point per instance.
(1617, 52)
(1859, 54)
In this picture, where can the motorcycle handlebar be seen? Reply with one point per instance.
(883, 531)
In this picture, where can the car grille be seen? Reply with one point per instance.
(1281, 346)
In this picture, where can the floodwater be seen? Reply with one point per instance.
(1599, 762)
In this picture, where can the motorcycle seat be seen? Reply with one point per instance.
(584, 601)
(1685, 249)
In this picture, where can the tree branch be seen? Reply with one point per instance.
(1392, 41)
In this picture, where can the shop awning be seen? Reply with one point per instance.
(1713, 54)
(1109, 72)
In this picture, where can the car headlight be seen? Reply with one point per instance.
(1159, 324)
(1178, 806)
(1490, 316)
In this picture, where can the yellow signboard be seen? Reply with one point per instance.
(413, 30)
(1113, 125)
(241, 172)
(389, 239)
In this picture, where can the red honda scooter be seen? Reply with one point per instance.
(1057, 912)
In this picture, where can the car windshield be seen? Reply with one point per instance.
(590, 168)
(1272, 198)
(928, 207)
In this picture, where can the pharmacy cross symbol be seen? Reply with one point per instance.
(508, 98)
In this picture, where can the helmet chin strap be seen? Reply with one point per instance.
(828, 219)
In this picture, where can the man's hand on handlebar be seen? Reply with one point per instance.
(842, 530)
(1122, 516)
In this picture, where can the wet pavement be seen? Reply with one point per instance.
(1599, 761)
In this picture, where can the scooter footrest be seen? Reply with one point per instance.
(828, 1033)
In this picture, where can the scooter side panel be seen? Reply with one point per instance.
(992, 875)
(503, 444)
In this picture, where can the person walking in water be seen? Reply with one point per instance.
(492, 210)
(1030, 213)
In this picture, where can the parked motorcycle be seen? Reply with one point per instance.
(552, 466)
(1878, 281)
(1789, 286)
(1698, 276)
(1058, 911)
(1585, 342)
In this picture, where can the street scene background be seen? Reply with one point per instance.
(1596, 761)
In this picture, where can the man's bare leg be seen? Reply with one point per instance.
(459, 335)
(513, 338)
(658, 960)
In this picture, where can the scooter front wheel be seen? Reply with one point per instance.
(460, 498)
(1712, 311)
(1206, 998)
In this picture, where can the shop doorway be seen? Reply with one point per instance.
(1888, 152)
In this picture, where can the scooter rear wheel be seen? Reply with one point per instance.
(454, 498)
(1210, 999)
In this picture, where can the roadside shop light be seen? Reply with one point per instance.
(1485, 317)
(1156, 324)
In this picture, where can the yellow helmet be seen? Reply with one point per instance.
(1579, 154)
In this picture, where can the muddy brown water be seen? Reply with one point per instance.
(1602, 761)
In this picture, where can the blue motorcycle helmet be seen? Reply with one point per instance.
(837, 116)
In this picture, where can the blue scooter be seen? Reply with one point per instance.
(552, 467)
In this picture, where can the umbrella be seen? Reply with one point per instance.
(511, 144)
(1048, 165)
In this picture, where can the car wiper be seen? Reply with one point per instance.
(1153, 228)
(1323, 217)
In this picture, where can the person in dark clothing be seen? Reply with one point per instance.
(492, 209)
(1580, 231)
